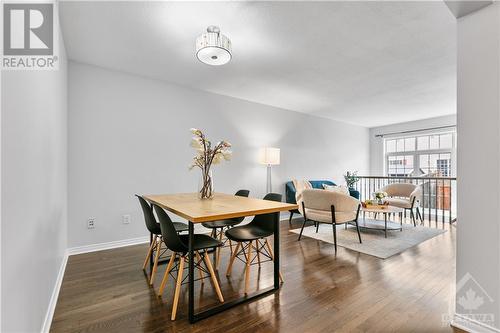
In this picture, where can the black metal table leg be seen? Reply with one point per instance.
(191, 273)
(276, 251)
(194, 317)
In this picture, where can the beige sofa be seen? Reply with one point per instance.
(334, 208)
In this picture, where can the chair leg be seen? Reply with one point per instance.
(257, 246)
(271, 253)
(219, 249)
(178, 287)
(167, 271)
(247, 267)
(317, 227)
(155, 265)
(214, 278)
(290, 218)
(231, 261)
(150, 252)
(420, 215)
(412, 216)
(357, 229)
(230, 246)
(302, 229)
(335, 236)
(198, 259)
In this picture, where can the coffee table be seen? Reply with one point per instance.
(382, 225)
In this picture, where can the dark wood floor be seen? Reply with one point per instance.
(349, 292)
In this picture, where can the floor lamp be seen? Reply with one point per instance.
(270, 156)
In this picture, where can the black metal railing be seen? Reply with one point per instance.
(438, 201)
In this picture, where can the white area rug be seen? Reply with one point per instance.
(374, 242)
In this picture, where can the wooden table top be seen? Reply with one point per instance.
(221, 206)
(386, 209)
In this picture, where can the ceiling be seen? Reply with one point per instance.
(367, 63)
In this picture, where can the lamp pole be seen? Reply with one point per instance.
(269, 186)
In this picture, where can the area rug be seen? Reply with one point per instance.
(374, 242)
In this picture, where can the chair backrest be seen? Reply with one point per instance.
(265, 221)
(168, 232)
(323, 200)
(241, 193)
(399, 189)
(149, 217)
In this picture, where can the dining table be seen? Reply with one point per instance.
(220, 207)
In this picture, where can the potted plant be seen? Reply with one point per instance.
(351, 178)
(205, 157)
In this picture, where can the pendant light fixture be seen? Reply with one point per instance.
(213, 48)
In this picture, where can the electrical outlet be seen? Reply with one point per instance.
(91, 223)
(126, 219)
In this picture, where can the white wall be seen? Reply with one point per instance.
(478, 125)
(130, 135)
(34, 192)
(377, 143)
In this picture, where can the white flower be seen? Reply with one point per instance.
(195, 143)
(227, 155)
(195, 131)
(217, 158)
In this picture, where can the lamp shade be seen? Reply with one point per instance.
(270, 156)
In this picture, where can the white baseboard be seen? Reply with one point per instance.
(107, 245)
(470, 325)
(55, 294)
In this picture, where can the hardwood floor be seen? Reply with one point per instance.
(349, 292)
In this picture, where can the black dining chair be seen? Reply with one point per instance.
(178, 244)
(253, 235)
(219, 226)
(154, 229)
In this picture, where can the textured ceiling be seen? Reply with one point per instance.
(368, 63)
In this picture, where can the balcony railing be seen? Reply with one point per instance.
(438, 201)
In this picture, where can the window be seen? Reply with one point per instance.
(429, 154)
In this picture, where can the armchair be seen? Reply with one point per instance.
(405, 196)
(329, 207)
(290, 192)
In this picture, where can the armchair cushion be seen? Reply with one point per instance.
(326, 216)
(399, 202)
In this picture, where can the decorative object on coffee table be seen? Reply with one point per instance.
(380, 195)
(205, 157)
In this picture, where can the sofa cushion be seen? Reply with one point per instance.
(300, 186)
(339, 189)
